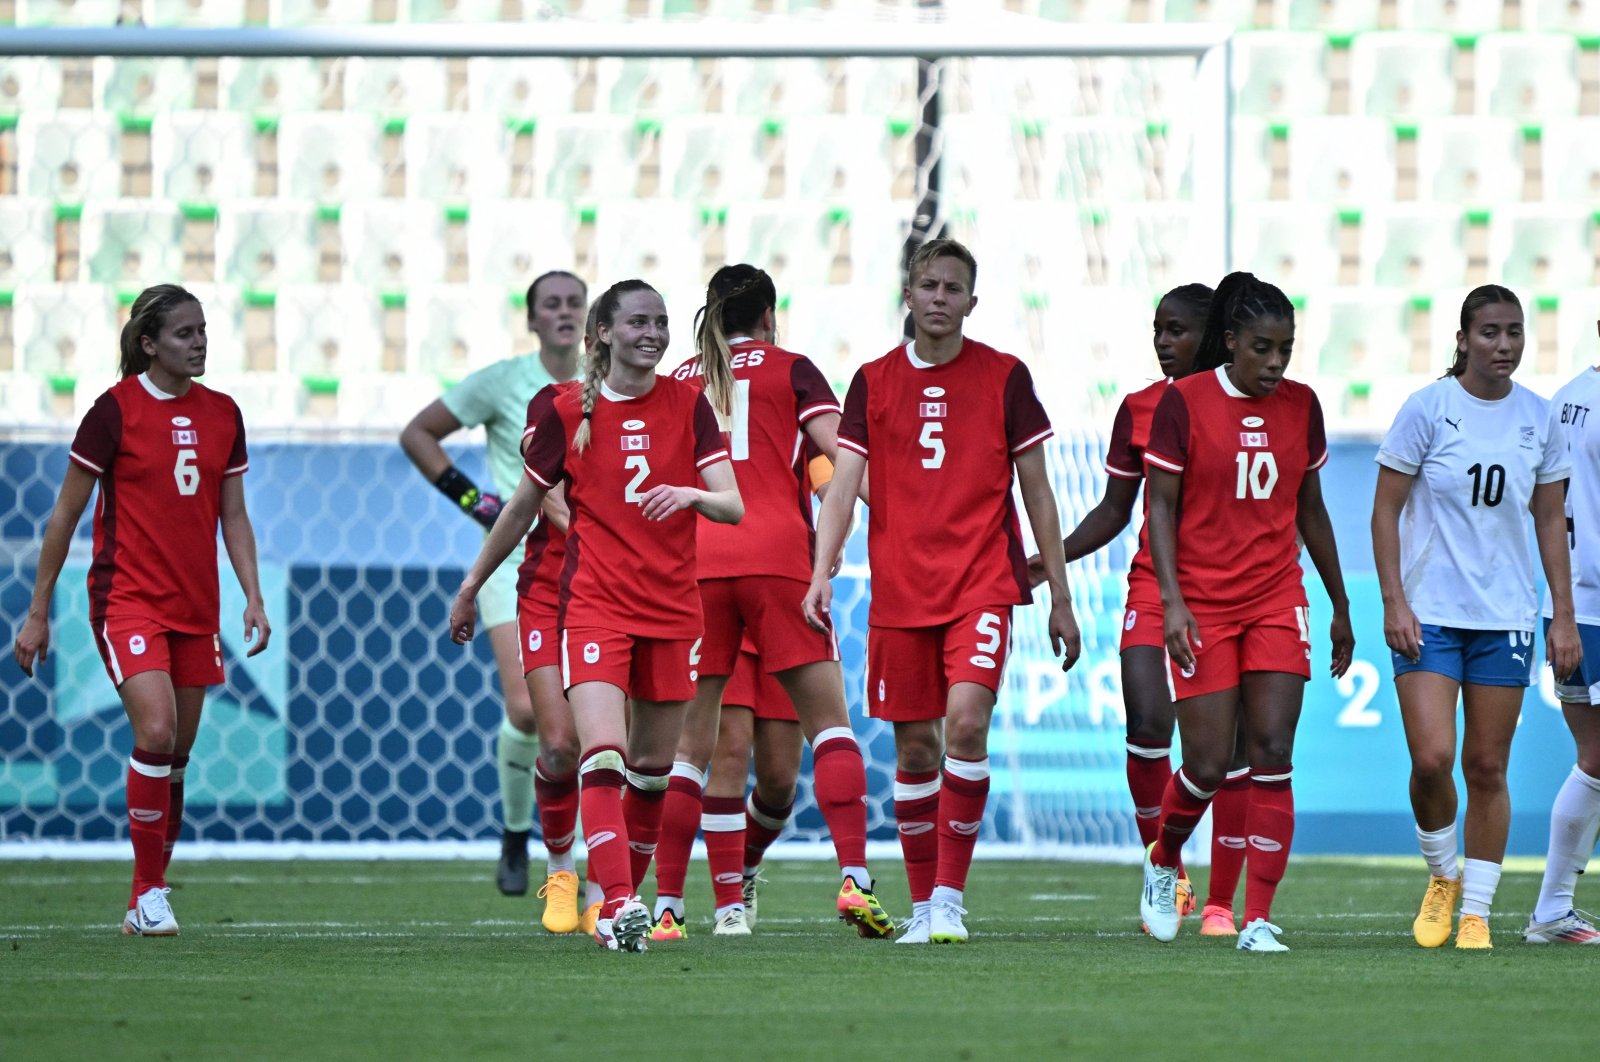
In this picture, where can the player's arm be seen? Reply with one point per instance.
(421, 439)
(239, 539)
(1033, 478)
(1182, 632)
(1098, 527)
(555, 508)
(720, 502)
(1401, 631)
(833, 525)
(33, 638)
(1548, 506)
(509, 529)
(1316, 531)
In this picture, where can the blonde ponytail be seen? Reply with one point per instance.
(736, 298)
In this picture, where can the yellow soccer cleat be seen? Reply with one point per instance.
(1185, 897)
(861, 909)
(591, 915)
(1432, 925)
(560, 896)
(1473, 934)
(668, 927)
(1217, 921)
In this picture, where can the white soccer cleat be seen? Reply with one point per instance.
(1570, 928)
(1261, 935)
(630, 926)
(1158, 904)
(151, 916)
(733, 923)
(917, 930)
(748, 894)
(945, 925)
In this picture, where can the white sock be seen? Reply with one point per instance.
(1574, 821)
(515, 754)
(945, 894)
(1439, 849)
(1479, 879)
(593, 894)
(724, 910)
(555, 862)
(921, 907)
(669, 903)
(859, 873)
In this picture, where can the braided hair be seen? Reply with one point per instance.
(1477, 299)
(736, 298)
(597, 362)
(1239, 299)
(147, 318)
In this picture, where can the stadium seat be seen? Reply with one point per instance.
(1334, 16)
(1253, 148)
(1102, 160)
(67, 12)
(1540, 248)
(61, 331)
(584, 158)
(1529, 76)
(1354, 334)
(1415, 247)
(888, 87)
(873, 242)
(27, 241)
(832, 158)
(1570, 156)
(330, 156)
(1348, 161)
(395, 88)
(382, 400)
(270, 88)
(1561, 16)
(796, 243)
(264, 244)
(520, 89)
(138, 88)
(430, 11)
(131, 243)
(29, 84)
(635, 87)
(1389, 391)
(511, 241)
(321, 12)
(771, 88)
(1295, 245)
(1280, 75)
(1450, 16)
(87, 387)
(328, 330)
(267, 400)
(1157, 246)
(393, 244)
(1402, 75)
(707, 159)
(1030, 249)
(201, 13)
(1474, 161)
(69, 156)
(981, 159)
(1445, 320)
(1578, 328)
(1094, 11)
(24, 400)
(662, 242)
(1241, 14)
(223, 305)
(454, 157)
(203, 157)
(454, 329)
(840, 327)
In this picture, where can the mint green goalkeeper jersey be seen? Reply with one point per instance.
(497, 397)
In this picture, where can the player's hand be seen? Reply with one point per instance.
(1564, 648)
(817, 603)
(1036, 572)
(1065, 640)
(463, 615)
(33, 643)
(1344, 643)
(1401, 631)
(486, 510)
(256, 628)
(661, 501)
(1182, 633)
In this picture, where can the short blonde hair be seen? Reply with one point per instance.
(942, 248)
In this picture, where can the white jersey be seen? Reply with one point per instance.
(1572, 423)
(1464, 557)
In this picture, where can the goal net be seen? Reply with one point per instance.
(360, 208)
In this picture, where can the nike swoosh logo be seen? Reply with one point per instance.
(965, 829)
(600, 838)
(144, 814)
(911, 829)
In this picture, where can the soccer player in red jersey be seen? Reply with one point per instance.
(942, 421)
(628, 615)
(1232, 458)
(168, 454)
(753, 577)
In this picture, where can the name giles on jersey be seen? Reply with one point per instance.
(744, 359)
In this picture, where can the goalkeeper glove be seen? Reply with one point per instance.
(482, 507)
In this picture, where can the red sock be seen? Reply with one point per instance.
(841, 787)
(641, 808)
(174, 809)
(961, 801)
(762, 824)
(149, 797)
(1149, 771)
(1271, 831)
(605, 829)
(916, 811)
(1228, 811)
(1181, 810)
(558, 808)
(680, 821)
(723, 825)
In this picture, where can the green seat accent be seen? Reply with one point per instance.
(1349, 216)
(1465, 42)
(69, 211)
(266, 123)
(328, 212)
(1589, 42)
(586, 215)
(1031, 128)
(8, 122)
(1405, 130)
(899, 127)
(1421, 303)
(457, 213)
(127, 296)
(710, 215)
(838, 215)
(1477, 216)
(394, 126)
(523, 126)
(1094, 215)
(1298, 302)
(1594, 218)
(1547, 303)
(1533, 131)
(1155, 129)
(61, 383)
(260, 299)
(321, 385)
(199, 211)
(1036, 300)
(646, 126)
(783, 302)
(393, 300)
(1341, 40)
(1359, 388)
(1278, 130)
(7, 298)
(134, 123)
(772, 127)
(517, 299)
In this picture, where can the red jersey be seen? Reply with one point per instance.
(623, 572)
(1242, 460)
(161, 460)
(538, 576)
(1130, 434)
(943, 537)
(777, 392)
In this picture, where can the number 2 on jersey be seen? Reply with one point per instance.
(641, 466)
(186, 474)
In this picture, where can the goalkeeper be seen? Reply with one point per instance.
(497, 397)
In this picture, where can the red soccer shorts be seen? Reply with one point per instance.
(768, 607)
(752, 688)
(1279, 641)
(1141, 625)
(646, 669)
(910, 669)
(538, 641)
(132, 646)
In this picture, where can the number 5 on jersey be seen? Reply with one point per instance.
(932, 443)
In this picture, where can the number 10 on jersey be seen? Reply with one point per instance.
(1258, 474)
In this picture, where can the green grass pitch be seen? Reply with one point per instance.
(389, 960)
